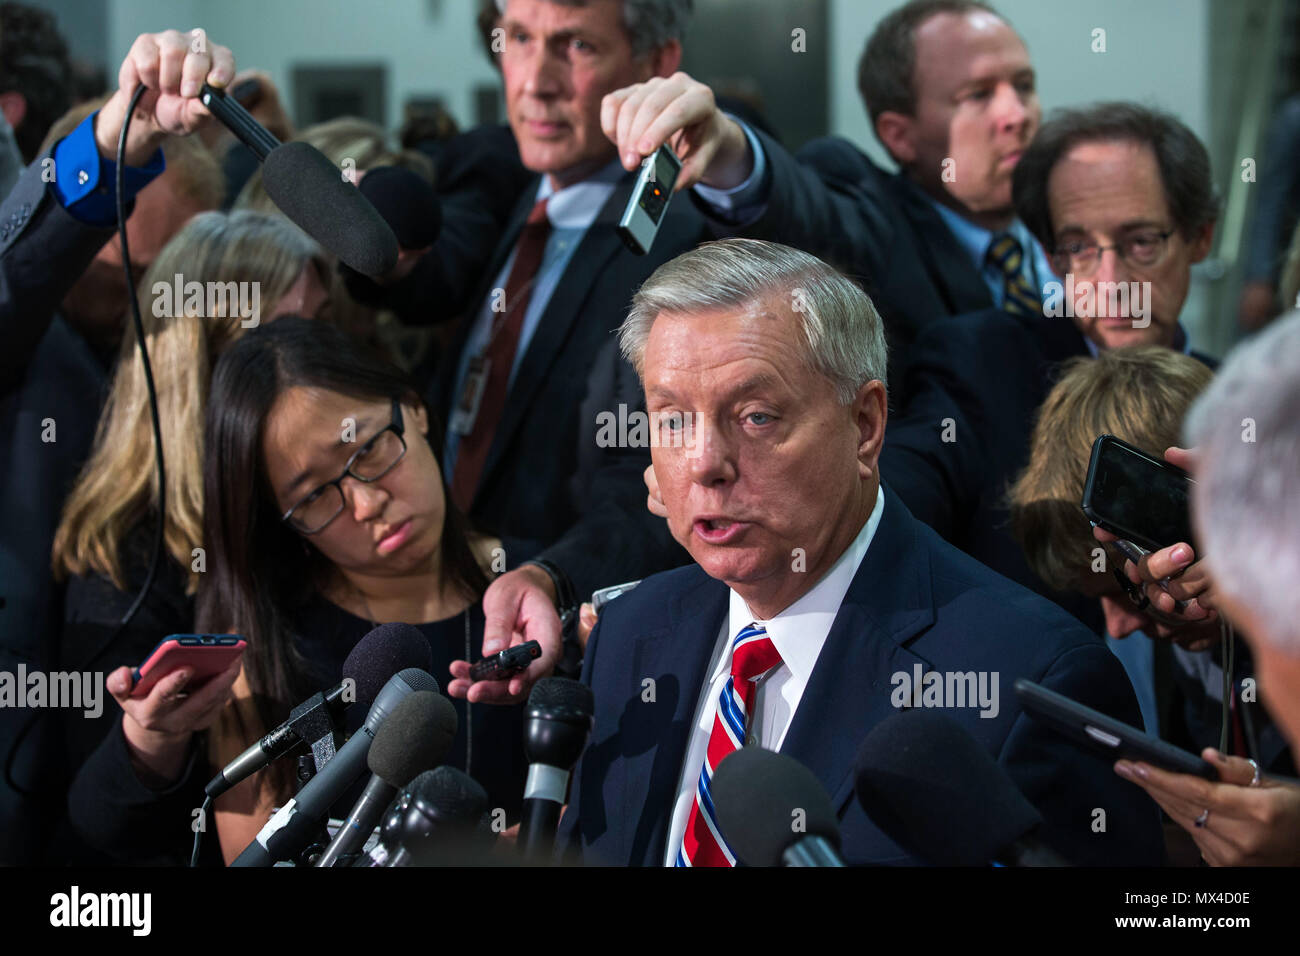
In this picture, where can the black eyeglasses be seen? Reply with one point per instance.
(1142, 249)
(370, 462)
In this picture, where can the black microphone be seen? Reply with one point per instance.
(557, 723)
(936, 792)
(436, 821)
(773, 811)
(415, 737)
(311, 191)
(407, 202)
(296, 824)
(379, 655)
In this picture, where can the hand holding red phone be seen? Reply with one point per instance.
(158, 727)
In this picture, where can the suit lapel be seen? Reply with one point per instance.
(451, 357)
(888, 603)
(599, 244)
(948, 264)
(681, 653)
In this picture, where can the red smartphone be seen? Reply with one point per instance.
(207, 654)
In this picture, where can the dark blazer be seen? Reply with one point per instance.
(834, 202)
(546, 486)
(914, 600)
(989, 372)
(47, 371)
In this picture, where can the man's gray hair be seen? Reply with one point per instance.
(650, 24)
(1246, 429)
(843, 330)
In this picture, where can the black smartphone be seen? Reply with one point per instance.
(1138, 497)
(507, 663)
(649, 200)
(1118, 740)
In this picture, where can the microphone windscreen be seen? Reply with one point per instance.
(407, 202)
(386, 650)
(450, 796)
(759, 794)
(416, 737)
(560, 693)
(311, 191)
(936, 792)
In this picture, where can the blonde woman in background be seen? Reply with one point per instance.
(105, 538)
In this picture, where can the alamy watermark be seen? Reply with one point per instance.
(209, 300)
(70, 690)
(1082, 299)
(638, 429)
(946, 689)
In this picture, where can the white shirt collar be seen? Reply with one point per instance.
(577, 205)
(799, 631)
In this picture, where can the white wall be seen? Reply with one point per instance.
(430, 47)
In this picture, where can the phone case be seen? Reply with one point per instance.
(207, 654)
(1118, 740)
(1100, 520)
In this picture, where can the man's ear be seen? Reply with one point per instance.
(870, 412)
(666, 60)
(14, 106)
(416, 415)
(1202, 242)
(896, 134)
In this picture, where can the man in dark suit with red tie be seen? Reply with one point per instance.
(534, 363)
(815, 595)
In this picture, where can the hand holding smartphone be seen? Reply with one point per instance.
(206, 654)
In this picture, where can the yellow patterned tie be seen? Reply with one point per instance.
(1018, 297)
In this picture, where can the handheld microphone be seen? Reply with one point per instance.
(557, 723)
(379, 655)
(936, 792)
(232, 115)
(311, 191)
(435, 821)
(294, 826)
(414, 738)
(759, 797)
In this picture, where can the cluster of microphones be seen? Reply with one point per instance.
(921, 779)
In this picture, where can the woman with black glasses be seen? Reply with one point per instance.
(325, 516)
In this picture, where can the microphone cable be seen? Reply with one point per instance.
(156, 557)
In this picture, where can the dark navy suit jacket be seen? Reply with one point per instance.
(914, 600)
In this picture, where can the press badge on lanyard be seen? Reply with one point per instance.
(471, 395)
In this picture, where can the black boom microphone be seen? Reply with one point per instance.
(415, 737)
(773, 811)
(557, 723)
(379, 655)
(936, 792)
(296, 824)
(311, 191)
(436, 820)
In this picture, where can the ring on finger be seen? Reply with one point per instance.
(1199, 822)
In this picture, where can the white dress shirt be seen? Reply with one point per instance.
(798, 634)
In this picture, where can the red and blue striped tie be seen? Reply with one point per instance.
(752, 655)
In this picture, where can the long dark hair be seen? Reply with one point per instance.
(261, 570)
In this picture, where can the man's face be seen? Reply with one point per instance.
(1109, 192)
(765, 494)
(976, 109)
(558, 63)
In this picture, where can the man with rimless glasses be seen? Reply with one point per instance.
(1122, 199)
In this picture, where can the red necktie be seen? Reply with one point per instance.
(753, 654)
(472, 452)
